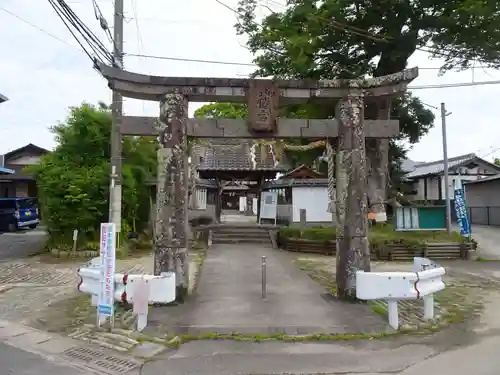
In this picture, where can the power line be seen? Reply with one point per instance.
(173, 58)
(438, 86)
(230, 62)
(452, 85)
(140, 44)
(40, 29)
(192, 60)
(73, 22)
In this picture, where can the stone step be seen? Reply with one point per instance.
(240, 234)
(241, 240)
(241, 230)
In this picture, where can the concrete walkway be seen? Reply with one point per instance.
(488, 238)
(229, 297)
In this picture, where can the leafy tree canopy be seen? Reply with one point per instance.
(336, 38)
(73, 180)
(339, 39)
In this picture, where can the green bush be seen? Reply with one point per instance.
(379, 235)
(315, 233)
(73, 180)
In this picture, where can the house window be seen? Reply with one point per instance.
(211, 196)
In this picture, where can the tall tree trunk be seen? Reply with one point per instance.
(377, 151)
(353, 252)
(171, 209)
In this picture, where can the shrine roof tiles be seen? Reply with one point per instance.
(237, 157)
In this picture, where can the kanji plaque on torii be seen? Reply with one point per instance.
(263, 106)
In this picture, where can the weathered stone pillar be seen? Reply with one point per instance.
(170, 240)
(378, 165)
(353, 251)
(330, 156)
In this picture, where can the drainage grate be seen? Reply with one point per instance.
(101, 361)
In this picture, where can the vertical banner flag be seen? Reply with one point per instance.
(106, 302)
(461, 209)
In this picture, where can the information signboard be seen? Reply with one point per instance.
(269, 205)
(105, 305)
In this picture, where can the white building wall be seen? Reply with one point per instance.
(201, 198)
(314, 200)
(25, 160)
(433, 184)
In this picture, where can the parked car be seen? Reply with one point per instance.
(20, 212)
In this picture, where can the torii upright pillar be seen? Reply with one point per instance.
(171, 240)
(353, 251)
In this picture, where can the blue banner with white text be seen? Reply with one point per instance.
(461, 211)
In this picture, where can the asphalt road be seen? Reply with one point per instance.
(19, 362)
(21, 244)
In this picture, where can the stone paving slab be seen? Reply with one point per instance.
(222, 358)
(67, 351)
(229, 299)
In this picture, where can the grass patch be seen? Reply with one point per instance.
(457, 303)
(481, 259)
(177, 340)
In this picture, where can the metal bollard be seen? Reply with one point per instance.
(264, 278)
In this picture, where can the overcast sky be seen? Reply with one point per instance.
(42, 76)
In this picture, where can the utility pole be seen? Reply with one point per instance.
(445, 167)
(115, 190)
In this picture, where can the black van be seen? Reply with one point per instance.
(18, 213)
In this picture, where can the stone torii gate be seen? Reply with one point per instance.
(264, 97)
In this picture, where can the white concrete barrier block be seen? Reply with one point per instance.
(421, 264)
(430, 281)
(161, 288)
(385, 285)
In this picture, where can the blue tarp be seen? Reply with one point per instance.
(6, 171)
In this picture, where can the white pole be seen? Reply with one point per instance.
(445, 167)
(429, 307)
(392, 312)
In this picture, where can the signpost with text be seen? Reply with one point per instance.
(105, 305)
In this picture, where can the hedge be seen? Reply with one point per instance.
(378, 235)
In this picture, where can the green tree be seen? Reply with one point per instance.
(222, 110)
(234, 111)
(496, 161)
(318, 39)
(73, 180)
(340, 39)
